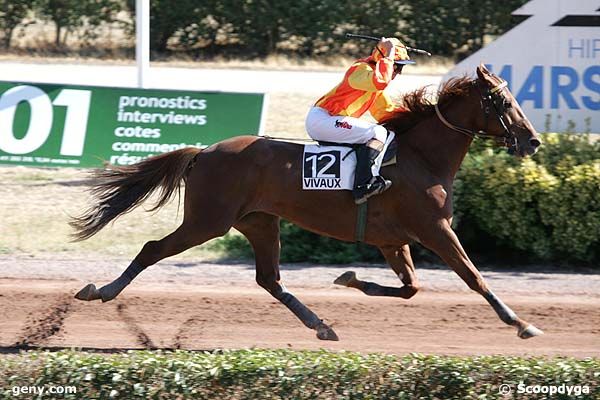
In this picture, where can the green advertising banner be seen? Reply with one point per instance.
(84, 126)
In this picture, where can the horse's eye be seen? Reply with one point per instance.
(506, 104)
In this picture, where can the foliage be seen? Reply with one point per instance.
(546, 207)
(298, 245)
(442, 27)
(286, 374)
(572, 211)
(458, 27)
(69, 15)
(504, 200)
(251, 28)
(12, 14)
(167, 18)
(560, 152)
(261, 27)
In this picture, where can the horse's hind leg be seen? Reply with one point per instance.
(262, 230)
(402, 264)
(189, 234)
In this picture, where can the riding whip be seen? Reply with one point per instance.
(376, 39)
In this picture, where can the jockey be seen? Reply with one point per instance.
(336, 117)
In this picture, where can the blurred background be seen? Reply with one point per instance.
(249, 29)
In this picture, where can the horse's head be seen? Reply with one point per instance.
(502, 117)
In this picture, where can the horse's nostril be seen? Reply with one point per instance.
(535, 143)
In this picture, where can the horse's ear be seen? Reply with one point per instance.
(482, 71)
(485, 75)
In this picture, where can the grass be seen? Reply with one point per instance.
(287, 374)
(36, 205)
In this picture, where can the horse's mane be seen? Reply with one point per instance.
(419, 106)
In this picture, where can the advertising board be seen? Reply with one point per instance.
(551, 61)
(85, 126)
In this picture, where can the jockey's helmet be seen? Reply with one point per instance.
(400, 57)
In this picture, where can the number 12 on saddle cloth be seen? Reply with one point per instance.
(332, 167)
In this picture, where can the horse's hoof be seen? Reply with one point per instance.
(88, 293)
(324, 332)
(346, 278)
(529, 332)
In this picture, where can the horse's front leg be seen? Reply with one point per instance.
(401, 262)
(445, 243)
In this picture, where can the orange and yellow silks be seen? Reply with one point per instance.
(361, 90)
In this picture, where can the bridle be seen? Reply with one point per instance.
(488, 99)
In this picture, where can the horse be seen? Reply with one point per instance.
(250, 182)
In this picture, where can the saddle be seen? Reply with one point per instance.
(389, 158)
(329, 166)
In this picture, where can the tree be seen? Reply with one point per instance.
(12, 14)
(69, 15)
(451, 27)
(167, 18)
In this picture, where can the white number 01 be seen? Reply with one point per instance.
(40, 124)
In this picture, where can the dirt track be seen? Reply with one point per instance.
(209, 306)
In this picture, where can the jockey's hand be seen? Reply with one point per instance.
(387, 47)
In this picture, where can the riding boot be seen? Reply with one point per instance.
(365, 184)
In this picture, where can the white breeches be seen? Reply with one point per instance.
(320, 125)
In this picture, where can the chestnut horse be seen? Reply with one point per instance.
(250, 182)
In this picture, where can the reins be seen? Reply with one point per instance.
(287, 138)
(507, 141)
(468, 132)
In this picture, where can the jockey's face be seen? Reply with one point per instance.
(397, 70)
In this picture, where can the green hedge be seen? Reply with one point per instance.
(298, 245)
(543, 208)
(286, 374)
(309, 28)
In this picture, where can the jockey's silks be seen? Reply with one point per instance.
(362, 90)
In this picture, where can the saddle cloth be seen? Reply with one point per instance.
(330, 166)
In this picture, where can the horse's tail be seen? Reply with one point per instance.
(119, 190)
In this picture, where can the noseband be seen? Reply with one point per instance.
(488, 99)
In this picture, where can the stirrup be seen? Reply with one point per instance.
(376, 186)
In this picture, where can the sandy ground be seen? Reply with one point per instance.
(205, 306)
